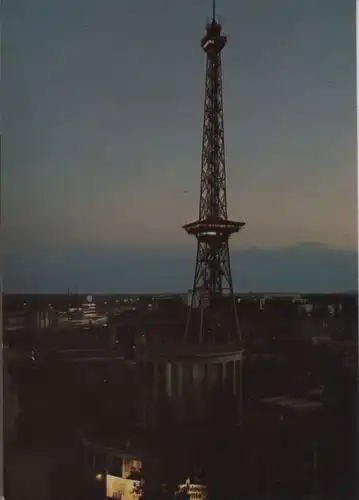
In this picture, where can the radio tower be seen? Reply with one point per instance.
(213, 314)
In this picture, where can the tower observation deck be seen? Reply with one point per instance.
(213, 314)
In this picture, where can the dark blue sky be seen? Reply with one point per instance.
(103, 105)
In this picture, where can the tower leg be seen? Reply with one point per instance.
(194, 292)
(231, 290)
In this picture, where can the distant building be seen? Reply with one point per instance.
(31, 319)
(89, 309)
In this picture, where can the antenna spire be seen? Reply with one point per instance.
(213, 10)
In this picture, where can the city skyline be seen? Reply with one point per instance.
(102, 144)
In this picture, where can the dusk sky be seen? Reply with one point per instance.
(103, 111)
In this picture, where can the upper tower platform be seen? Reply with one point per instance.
(214, 41)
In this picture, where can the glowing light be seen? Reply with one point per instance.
(209, 42)
(99, 477)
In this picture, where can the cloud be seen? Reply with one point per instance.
(302, 268)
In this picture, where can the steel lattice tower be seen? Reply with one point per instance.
(212, 316)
